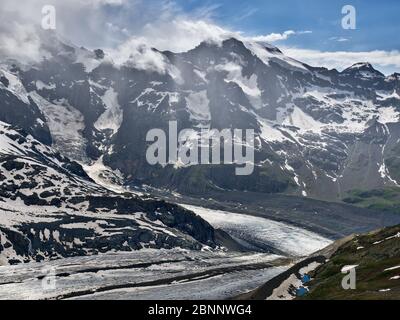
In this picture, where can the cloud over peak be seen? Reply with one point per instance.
(273, 37)
(384, 60)
(128, 28)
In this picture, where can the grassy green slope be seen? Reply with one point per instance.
(387, 199)
(373, 253)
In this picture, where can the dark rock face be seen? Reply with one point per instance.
(62, 212)
(4, 81)
(73, 235)
(99, 54)
(316, 129)
(170, 215)
(24, 115)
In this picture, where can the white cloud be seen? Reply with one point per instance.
(273, 37)
(339, 39)
(182, 34)
(246, 14)
(137, 54)
(18, 41)
(20, 24)
(90, 23)
(178, 35)
(79, 20)
(385, 60)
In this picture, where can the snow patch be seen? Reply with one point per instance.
(198, 106)
(298, 118)
(248, 85)
(111, 118)
(66, 125)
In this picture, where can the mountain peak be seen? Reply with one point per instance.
(232, 41)
(99, 54)
(226, 43)
(362, 65)
(394, 76)
(363, 69)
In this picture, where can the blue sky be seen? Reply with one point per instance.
(378, 22)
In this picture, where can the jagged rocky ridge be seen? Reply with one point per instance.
(50, 208)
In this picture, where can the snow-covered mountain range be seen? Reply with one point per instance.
(319, 132)
(73, 139)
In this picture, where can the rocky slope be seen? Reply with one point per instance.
(319, 132)
(50, 208)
